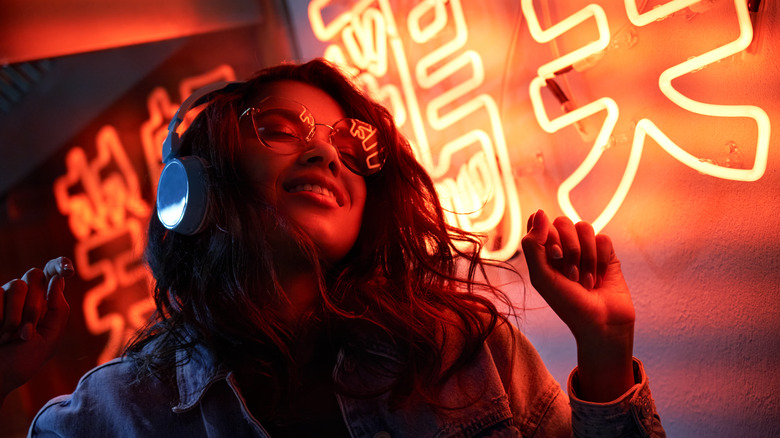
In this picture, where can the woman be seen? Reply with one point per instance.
(326, 296)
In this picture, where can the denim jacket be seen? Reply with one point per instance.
(515, 396)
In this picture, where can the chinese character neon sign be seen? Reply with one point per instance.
(472, 172)
(102, 199)
(108, 216)
(366, 37)
(644, 127)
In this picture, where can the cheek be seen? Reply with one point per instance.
(350, 229)
(262, 171)
(357, 211)
(358, 192)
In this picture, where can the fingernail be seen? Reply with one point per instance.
(539, 217)
(55, 281)
(588, 281)
(66, 267)
(574, 274)
(557, 252)
(26, 332)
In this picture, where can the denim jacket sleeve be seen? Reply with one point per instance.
(551, 413)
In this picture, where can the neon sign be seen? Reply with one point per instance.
(365, 38)
(108, 210)
(108, 216)
(644, 127)
(472, 172)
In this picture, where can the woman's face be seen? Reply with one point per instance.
(311, 186)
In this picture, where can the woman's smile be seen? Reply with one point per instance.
(310, 185)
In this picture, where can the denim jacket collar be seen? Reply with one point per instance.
(194, 376)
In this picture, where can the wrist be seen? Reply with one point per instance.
(605, 367)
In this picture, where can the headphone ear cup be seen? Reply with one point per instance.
(182, 195)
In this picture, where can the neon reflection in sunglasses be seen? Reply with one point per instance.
(286, 126)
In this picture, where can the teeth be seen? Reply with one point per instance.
(312, 188)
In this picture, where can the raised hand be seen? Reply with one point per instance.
(579, 275)
(33, 315)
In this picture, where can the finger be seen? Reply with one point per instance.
(534, 242)
(554, 248)
(570, 243)
(14, 295)
(588, 257)
(61, 266)
(34, 302)
(538, 225)
(553, 241)
(535, 249)
(605, 253)
(53, 323)
(545, 277)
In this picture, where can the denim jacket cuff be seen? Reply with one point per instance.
(631, 414)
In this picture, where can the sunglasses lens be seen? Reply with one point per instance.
(358, 144)
(280, 129)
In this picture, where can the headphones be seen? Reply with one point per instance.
(182, 193)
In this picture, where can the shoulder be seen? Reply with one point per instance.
(505, 350)
(103, 401)
(510, 371)
(118, 376)
(513, 353)
(506, 343)
(536, 399)
(502, 345)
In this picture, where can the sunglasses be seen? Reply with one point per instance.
(286, 127)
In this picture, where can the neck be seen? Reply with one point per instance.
(301, 288)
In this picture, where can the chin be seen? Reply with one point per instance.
(331, 257)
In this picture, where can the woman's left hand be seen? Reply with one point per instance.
(579, 275)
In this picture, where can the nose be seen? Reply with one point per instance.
(319, 151)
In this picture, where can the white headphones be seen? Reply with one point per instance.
(182, 194)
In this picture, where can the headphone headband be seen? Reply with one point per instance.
(182, 193)
(172, 143)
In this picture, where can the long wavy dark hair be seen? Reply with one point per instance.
(411, 277)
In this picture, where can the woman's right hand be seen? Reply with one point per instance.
(33, 316)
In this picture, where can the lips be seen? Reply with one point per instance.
(313, 188)
(315, 184)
